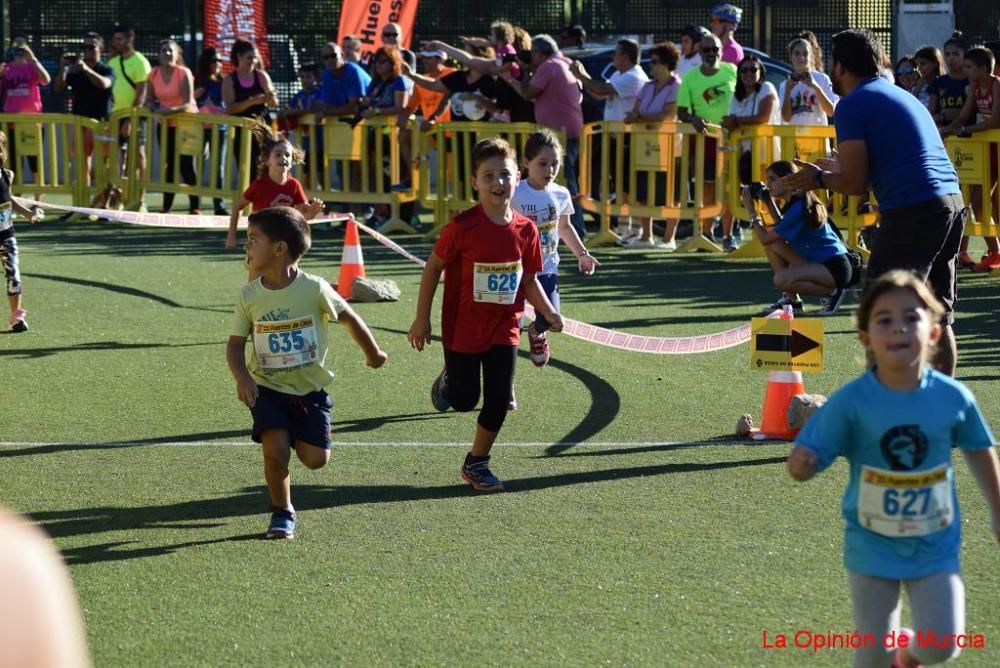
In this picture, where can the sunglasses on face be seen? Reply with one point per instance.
(748, 70)
(903, 73)
(710, 49)
(329, 56)
(89, 47)
(390, 34)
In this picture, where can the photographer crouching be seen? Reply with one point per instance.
(803, 248)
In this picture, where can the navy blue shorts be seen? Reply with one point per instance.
(306, 418)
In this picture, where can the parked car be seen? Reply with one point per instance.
(597, 62)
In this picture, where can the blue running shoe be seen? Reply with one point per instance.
(439, 392)
(476, 472)
(282, 524)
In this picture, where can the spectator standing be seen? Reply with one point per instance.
(247, 92)
(815, 50)
(434, 107)
(704, 99)
(392, 36)
(807, 96)
(690, 48)
(656, 103)
(171, 91)
(930, 65)
(887, 139)
(572, 37)
(557, 97)
(22, 80)
(351, 48)
(906, 73)
(208, 97)
(128, 91)
(725, 21)
(89, 82)
(947, 92)
(342, 84)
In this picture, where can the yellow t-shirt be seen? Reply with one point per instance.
(287, 330)
(122, 92)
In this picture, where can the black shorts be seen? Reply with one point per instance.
(923, 238)
(839, 267)
(306, 418)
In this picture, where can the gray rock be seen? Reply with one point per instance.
(744, 425)
(802, 406)
(374, 290)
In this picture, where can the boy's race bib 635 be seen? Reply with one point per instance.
(285, 344)
(901, 505)
(496, 283)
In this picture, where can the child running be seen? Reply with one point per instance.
(285, 312)
(492, 255)
(8, 243)
(548, 205)
(896, 426)
(274, 186)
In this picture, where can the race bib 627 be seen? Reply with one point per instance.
(898, 505)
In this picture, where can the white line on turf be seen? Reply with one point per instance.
(370, 444)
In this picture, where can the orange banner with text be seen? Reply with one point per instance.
(226, 20)
(366, 18)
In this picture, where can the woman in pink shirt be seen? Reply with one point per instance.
(20, 87)
(171, 90)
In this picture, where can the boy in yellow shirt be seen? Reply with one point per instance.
(285, 313)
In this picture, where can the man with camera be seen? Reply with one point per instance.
(89, 83)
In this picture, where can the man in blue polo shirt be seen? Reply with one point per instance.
(888, 142)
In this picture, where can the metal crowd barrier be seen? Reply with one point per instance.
(654, 156)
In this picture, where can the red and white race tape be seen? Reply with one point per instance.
(609, 338)
(168, 220)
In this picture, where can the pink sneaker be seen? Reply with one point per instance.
(539, 348)
(17, 322)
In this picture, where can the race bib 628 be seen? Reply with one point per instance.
(496, 283)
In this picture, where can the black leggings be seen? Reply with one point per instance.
(498, 381)
(187, 171)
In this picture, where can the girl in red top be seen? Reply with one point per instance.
(491, 255)
(981, 112)
(275, 186)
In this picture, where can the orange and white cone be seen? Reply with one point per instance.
(352, 264)
(782, 386)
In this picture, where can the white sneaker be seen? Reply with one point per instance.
(668, 245)
(637, 242)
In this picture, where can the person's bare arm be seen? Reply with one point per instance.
(420, 331)
(358, 329)
(99, 80)
(475, 63)
(246, 386)
(983, 464)
(599, 90)
(852, 179)
(802, 463)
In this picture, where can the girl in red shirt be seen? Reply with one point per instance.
(275, 186)
(491, 255)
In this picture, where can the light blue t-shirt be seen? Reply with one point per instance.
(812, 244)
(900, 505)
(907, 161)
(338, 90)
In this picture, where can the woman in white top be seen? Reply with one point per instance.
(656, 103)
(807, 98)
(754, 102)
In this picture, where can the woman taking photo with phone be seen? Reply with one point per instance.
(21, 81)
(807, 98)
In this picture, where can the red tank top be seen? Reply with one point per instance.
(984, 99)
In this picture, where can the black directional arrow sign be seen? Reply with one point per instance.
(795, 343)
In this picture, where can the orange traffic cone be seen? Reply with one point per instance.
(782, 386)
(352, 264)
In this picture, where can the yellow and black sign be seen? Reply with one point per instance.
(786, 345)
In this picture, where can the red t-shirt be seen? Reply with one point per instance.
(264, 193)
(486, 265)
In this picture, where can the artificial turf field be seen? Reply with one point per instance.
(635, 529)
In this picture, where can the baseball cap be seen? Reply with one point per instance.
(695, 32)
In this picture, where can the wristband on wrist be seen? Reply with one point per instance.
(819, 178)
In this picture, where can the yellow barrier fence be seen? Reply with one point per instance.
(355, 162)
(452, 189)
(769, 143)
(976, 159)
(53, 147)
(653, 156)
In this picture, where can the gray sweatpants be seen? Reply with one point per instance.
(937, 603)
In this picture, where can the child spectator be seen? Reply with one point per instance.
(8, 243)
(930, 65)
(803, 249)
(947, 92)
(275, 186)
(982, 105)
(548, 205)
(906, 73)
(897, 426)
(285, 312)
(306, 101)
(491, 254)
(807, 97)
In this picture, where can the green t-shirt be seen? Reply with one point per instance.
(287, 330)
(707, 97)
(122, 92)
